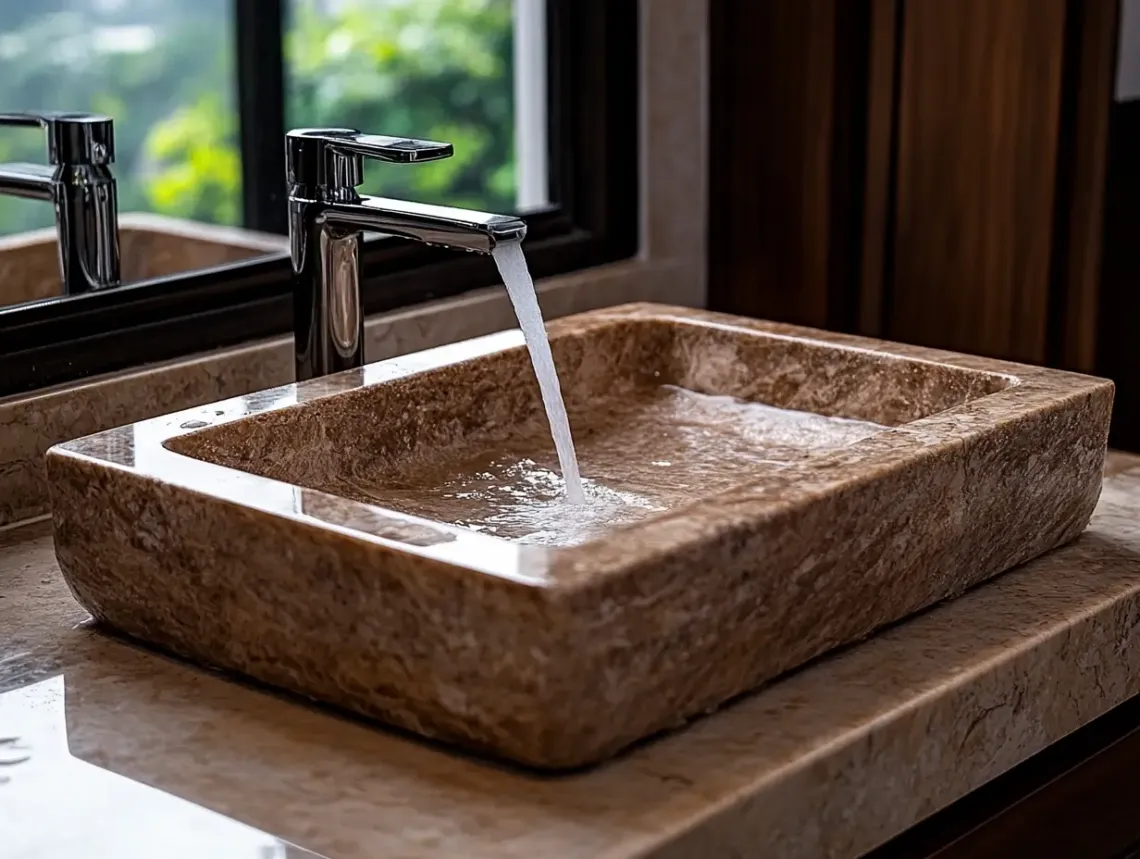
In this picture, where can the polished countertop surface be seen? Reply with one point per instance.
(111, 750)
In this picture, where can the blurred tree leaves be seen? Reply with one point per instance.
(439, 69)
(197, 172)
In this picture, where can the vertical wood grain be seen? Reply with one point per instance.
(878, 221)
(1089, 83)
(979, 106)
(779, 186)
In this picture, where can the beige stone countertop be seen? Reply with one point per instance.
(110, 750)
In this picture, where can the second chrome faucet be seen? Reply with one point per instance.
(326, 219)
(77, 181)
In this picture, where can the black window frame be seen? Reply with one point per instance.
(592, 68)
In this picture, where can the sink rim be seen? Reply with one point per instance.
(562, 656)
(142, 450)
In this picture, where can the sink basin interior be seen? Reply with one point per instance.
(664, 412)
(150, 246)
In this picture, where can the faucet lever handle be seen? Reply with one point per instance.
(72, 138)
(332, 158)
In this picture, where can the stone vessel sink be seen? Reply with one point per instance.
(150, 246)
(371, 539)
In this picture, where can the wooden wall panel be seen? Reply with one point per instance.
(785, 145)
(978, 121)
(878, 184)
(1081, 196)
(929, 171)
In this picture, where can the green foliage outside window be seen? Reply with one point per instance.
(439, 69)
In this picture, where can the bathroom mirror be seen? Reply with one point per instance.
(537, 97)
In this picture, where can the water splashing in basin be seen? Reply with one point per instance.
(651, 449)
(516, 276)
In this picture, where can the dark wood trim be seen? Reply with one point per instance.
(1117, 356)
(978, 128)
(850, 98)
(787, 120)
(1090, 69)
(886, 27)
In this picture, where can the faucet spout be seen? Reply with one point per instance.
(326, 219)
(459, 229)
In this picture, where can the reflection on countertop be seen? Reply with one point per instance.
(111, 750)
(56, 804)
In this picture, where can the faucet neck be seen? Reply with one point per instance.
(326, 219)
(328, 318)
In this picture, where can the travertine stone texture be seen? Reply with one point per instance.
(220, 532)
(30, 425)
(149, 246)
(134, 751)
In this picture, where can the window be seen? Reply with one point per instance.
(537, 96)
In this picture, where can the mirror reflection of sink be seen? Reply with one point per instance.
(392, 540)
(150, 246)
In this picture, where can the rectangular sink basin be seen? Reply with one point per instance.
(150, 246)
(391, 539)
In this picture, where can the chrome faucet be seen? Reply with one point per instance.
(326, 219)
(78, 182)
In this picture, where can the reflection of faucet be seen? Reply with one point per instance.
(79, 184)
(326, 218)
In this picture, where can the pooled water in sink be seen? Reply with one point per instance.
(513, 269)
(659, 448)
